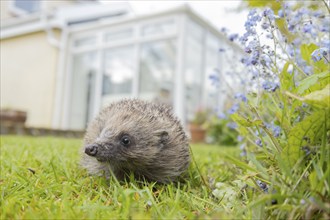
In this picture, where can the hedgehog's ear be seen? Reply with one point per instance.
(163, 138)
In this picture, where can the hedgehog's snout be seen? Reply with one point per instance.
(91, 149)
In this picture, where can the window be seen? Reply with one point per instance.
(157, 71)
(210, 90)
(194, 69)
(118, 74)
(119, 35)
(83, 89)
(26, 6)
(85, 41)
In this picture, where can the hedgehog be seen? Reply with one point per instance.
(139, 137)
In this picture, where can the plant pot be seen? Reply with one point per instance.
(13, 116)
(197, 133)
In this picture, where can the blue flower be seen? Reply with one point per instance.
(253, 44)
(244, 38)
(224, 30)
(222, 115)
(276, 131)
(258, 142)
(232, 125)
(280, 13)
(317, 13)
(293, 22)
(291, 27)
(262, 186)
(303, 11)
(265, 60)
(290, 50)
(308, 28)
(253, 59)
(296, 41)
(240, 139)
(251, 22)
(265, 25)
(233, 37)
(325, 27)
(233, 109)
(248, 50)
(241, 97)
(308, 70)
(269, 13)
(270, 86)
(270, 36)
(306, 149)
(318, 54)
(214, 79)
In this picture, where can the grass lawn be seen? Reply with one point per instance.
(41, 179)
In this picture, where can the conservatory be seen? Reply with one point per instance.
(166, 57)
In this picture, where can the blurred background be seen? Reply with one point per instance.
(61, 61)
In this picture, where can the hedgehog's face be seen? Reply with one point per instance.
(111, 147)
(129, 147)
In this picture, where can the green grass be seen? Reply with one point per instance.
(41, 179)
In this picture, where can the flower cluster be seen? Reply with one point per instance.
(320, 54)
(263, 57)
(281, 114)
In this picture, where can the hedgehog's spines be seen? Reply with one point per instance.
(153, 156)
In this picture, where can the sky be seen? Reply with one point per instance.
(220, 13)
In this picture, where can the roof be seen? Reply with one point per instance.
(95, 16)
(62, 17)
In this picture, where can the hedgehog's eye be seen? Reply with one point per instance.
(125, 140)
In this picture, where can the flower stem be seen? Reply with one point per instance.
(326, 5)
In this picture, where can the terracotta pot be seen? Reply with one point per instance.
(13, 116)
(197, 133)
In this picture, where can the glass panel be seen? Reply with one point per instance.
(157, 70)
(195, 31)
(193, 69)
(210, 92)
(86, 41)
(83, 89)
(118, 74)
(119, 35)
(28, 5)
(159, 28)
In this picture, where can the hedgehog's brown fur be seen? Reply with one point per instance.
(158, 147)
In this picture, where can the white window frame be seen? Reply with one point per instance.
(136, 41)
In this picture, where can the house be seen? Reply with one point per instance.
(61, 61)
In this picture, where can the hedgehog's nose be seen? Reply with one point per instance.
(91, 150)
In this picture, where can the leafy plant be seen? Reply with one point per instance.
(201, 116)
(222, 131)
(284, 118)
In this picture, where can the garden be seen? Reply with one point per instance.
(280, 169)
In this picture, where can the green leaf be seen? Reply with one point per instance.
(301, 135)
(320, 98)
(311, 81)
(286, 78)
(245, 121)
(241, 164)
(306, 51)
(313, 180)
(274, 5)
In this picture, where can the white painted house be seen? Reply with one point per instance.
(62, 62)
